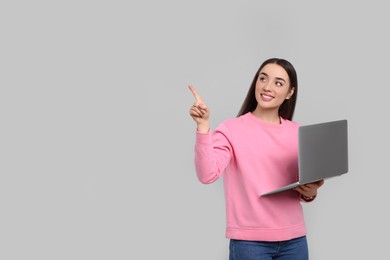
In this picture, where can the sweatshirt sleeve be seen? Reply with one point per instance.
(213, 153)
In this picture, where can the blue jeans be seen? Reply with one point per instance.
(294, 249)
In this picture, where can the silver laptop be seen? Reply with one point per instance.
(322, 153)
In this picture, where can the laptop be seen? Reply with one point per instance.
(322, 153)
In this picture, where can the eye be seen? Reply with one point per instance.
(262, 78)
(278, 83)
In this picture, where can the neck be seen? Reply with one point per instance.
(270, 116)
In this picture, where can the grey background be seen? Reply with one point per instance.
(96, 141)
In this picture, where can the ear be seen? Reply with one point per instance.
(291, 93)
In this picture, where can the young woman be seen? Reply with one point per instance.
(256, 152)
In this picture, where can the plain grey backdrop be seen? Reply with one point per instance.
(96, 141)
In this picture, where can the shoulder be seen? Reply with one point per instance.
(234, 122)
(290, 127)
(230, 125)
(290, 124)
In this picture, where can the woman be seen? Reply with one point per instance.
(256, 152)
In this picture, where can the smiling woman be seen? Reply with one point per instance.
(271, 90)
(282, 74)
(254, 152)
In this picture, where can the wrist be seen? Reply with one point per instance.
(203, 128)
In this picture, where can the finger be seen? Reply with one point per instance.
(196, 95)
(316, 184)
(304, 188)
(303, 192)
(201, 107)
(195, 114)
(311, 187)
(320, 183)
(196, 111)
(300, 190)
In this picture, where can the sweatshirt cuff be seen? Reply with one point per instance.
(203, 137)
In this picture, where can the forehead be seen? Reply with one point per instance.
(275, 71)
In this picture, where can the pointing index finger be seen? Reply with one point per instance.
(196, 95)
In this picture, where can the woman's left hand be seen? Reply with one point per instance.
(310, 189)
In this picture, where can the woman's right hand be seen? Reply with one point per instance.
(200, 112)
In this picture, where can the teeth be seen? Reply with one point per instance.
(266, 96)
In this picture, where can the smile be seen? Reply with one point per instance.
(266, 97)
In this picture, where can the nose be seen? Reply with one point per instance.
(267, 87)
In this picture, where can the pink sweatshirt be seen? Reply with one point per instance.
(253, 157)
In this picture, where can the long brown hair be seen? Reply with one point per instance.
(286, 110)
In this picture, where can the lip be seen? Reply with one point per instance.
(266, 97)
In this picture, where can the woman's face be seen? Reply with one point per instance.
(272, 87)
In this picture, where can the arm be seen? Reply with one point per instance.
(212, 150)
(213, 153)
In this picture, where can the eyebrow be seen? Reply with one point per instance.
(265, 74)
